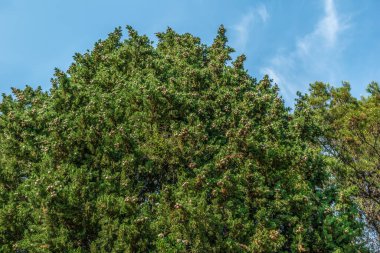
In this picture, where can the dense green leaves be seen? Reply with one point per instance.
(166, 148)
(349, 131)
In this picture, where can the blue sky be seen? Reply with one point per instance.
(296, 42)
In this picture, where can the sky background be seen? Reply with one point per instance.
(296, 42)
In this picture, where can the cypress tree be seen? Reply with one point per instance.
(163, 148)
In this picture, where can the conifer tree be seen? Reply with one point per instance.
(166, 148)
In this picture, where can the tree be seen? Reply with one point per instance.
(167, 148)
(349, 131)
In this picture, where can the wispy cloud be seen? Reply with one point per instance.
(246, 22)
(279, 79)
(326, 32)
(263, 13)
(315, 54)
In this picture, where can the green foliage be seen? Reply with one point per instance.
(349, 130)
(167, 148)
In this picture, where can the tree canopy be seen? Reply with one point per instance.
(171, 147)
(348, 129)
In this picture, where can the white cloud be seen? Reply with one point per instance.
(326, 32)
(315, 54)
(247, 20)
(243, 29)
(329, 26)
(263, 13)
(273, 75)
(278, 78)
